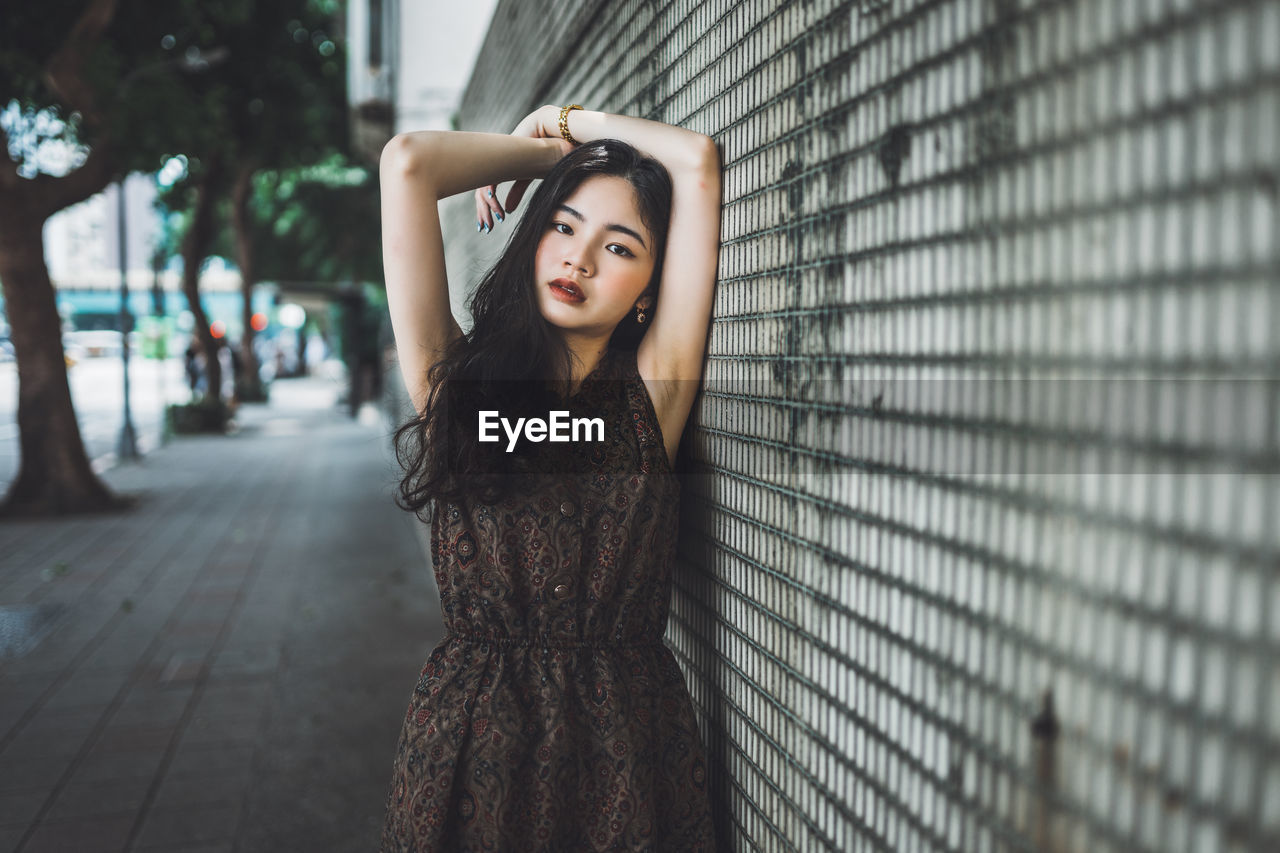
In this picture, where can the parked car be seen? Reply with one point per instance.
(72, 352)
(102, 343)
(93, 344)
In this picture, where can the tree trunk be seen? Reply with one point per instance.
(195, 248)
(248, 277)
(54, 475)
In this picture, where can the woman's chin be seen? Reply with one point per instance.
(560, 314)
(576, 326)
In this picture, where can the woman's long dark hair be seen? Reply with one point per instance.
(507, 359)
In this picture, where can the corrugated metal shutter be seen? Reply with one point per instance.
(980, 548)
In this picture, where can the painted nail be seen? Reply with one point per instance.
(487, 228)
(479, 226)
(500, 216)
(490, 193)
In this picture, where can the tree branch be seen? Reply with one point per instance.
(9, 180)
(53, 194)
(64, 73)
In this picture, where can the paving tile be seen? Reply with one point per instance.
(172, 828)
(12, 706)
(182, 648)
(180, 668)
(98, 799)
(22, 687)
(41, 772)
(94, 690)
(10, 836)
(193, 790)
(117, 653)
(228, 729)
(20, 806)
(276, 723)
(211, 760)
(54, 737)
(219, 587)
(216, 847)
(203, 627)
(90, 835)
(103, 766)
(118, 737)
(255, 661)
(153, 705)
(28, 745)
(229, 694)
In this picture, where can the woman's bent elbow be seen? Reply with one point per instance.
(402, 152)
(395, 149)
(707, 155)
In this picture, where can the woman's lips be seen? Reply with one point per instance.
(564, 294)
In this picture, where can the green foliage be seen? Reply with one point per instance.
(309, 223)
(277, 96)
(321, 222)
(277, 100)
(152, 99)
(313, 213)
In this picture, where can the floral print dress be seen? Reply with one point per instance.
(552, 716)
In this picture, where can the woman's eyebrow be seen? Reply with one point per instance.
(612, 226)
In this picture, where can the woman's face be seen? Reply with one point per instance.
(596, 242)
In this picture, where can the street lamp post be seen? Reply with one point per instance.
(127, 446)
(162, 360)
(194, 60)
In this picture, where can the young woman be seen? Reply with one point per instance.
(552, 716)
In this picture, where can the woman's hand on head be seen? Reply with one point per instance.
(539, 124)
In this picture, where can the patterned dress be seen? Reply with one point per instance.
(552, 716)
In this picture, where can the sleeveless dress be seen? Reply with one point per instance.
(552, 716)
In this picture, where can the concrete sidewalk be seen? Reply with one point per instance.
(226, 667)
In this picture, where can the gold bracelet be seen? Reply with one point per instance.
(564, 122)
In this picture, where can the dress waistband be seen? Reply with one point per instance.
(548, 642)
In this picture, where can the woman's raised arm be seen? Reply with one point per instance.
(670, 355)
(416, 170)
(672, 350)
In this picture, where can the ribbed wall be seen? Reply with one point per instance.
(980, 548)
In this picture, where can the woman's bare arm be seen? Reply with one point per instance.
(671, 354)
(674, 346)
(416, 170)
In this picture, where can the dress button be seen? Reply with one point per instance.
(561, 591)
(566, 508)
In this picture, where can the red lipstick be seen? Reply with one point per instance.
(566, 290)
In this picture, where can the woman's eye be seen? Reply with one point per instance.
(625, 253)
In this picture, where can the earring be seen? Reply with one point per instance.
(639, 314)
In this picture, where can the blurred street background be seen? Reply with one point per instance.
(212, 614)
(95, 387)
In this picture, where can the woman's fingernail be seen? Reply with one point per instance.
(487, 228)
(479, 226)
(490, 193)
(500, 216)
